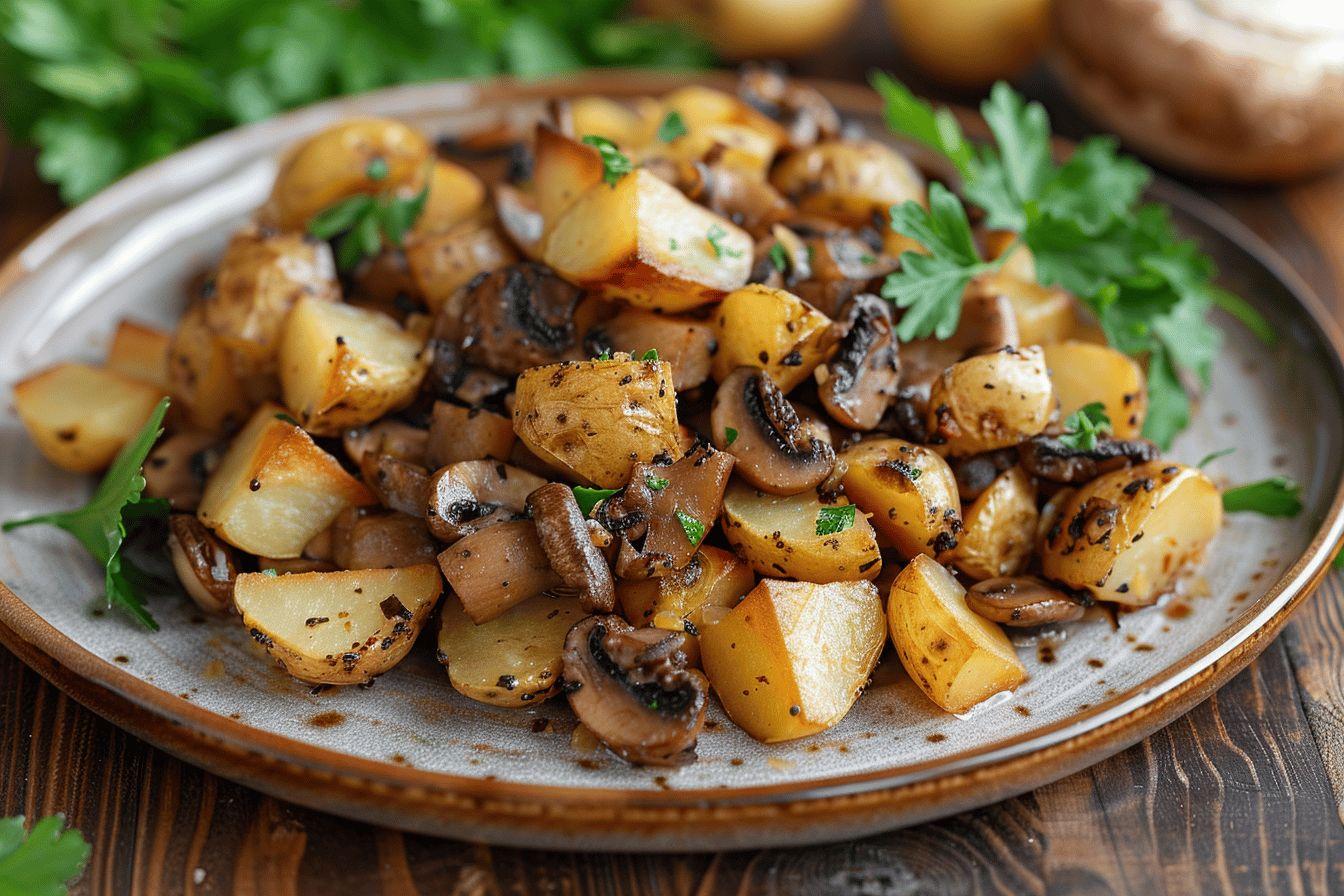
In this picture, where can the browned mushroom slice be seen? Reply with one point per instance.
(749, 202)
(806, 115)
(752, 420)
(177, 468)
(370, 538)
(859, 381)
(632, 689)
(401, 440)
(1025, 601)
(978, 472)
(781, 259)
(497, 568)
(988, 324)
(1052, 459)
(399, 485)
(520, 219)
(569, 547)
(518, 317)
(686, 343)
(204, 564)
(457, 434)
(470, 495)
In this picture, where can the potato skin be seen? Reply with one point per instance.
(1126, 535)
(777, 536)
(597, 419)
(848, 180)
(991, 401)
(1083, 372)
(760, 326)
(999, 530)
(714, 578)
(910, 493)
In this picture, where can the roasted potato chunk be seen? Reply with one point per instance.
(627, 125)
(1045, 314)
(957, 657)
(563, 170)
(779, 536)
(342, 366)
(1125, 536)
(275, 489)
(140, 352)
(848, 180)
(772, 329)
(999, 531)
(910, 493)
(515, 658)
(597, 419)
(677, 602)
(80, 416)
(1083, 373)
(442, 262)
(792, 657)
(202, 377)
(457, 433)
(641, 240)
(991, 401)
(455, 195)
(338, 627)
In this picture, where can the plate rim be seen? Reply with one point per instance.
(1100, 731)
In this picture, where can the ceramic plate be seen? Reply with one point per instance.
(412, 753)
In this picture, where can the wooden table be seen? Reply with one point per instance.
(1242, 795)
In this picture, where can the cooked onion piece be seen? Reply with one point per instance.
(779, 536)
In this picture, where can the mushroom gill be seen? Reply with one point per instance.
(518, 317)
(204, 565)
(776, 452)
(1053, 459)
(859, 381)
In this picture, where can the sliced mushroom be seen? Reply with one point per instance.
(401, 440)
(858, 382)
(844, 263)
(988, 324)
(749, 202)
(1054, 460)
(978, 472)
(1025, 601)
(497, 568)
(518, 317)
(806, 115)
(519, 219)
(632, 689)
(569, 546)
(398, 484)
(177, 468)
(752, 420)
(204, 565)
(371, 538)
(781, 259)
(470, 495)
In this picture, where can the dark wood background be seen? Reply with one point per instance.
(1243, 795)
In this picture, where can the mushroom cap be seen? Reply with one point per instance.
(861, 377)
(569, 547)
(469, 495)
(204, 565)
(517, 317)
(775, 451)
(1024, 601)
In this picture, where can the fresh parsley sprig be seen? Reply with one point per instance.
(42, 861)
(117, 506)
(1083, 426)
(362, 224)
(1277, 496)
(672, 127)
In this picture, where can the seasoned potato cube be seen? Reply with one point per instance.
(760, 326)
(1000, 528)
(625, 125)
(1126, 535)
(643, 241)
(261, 277)
(792, 657)
(563, 170)
(991, 401)
(702, 108)
(779, 536)
(443, 262)
(455, 194)
(338, 627)
(202, 377)
(1083, 373)
(1045, 314)
(80, 416)
(848, 180)
(713, 578)
(275, 489)
(957, 657)
(342, 366)
(910, 492)
(515, 658)
(736, 146)
(140, 351)
(597, 419)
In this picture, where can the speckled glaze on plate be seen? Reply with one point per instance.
(411, 753)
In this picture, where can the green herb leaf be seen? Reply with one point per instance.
(779, 258)
(615, 164)
(672, 127)
(837, 518)
(287, 418)
(909, 472)
(376, 169)
(729, 435)
(102, 523)
(1338, 562)
(605, 356)
(694, 529)
(588, 498)
(273, 573)
(363, 224)
(715, 237)
(42, 861)
(1213, 456)
(657, 483)
(911, 117)
(650, 355)
(1082, 427)
(1277, 496)
(399, 214)
(340, 217)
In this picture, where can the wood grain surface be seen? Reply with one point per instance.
(1243, 795)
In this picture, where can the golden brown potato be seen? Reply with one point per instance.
(848, 180)
(341, 161)
(722, 117)
(910, 493)
(683, 342)
(455, 195)
(1000, 528)
(563, 170)
(342, 366)
(202, 377)
(779, 536)
(643, 241)
(80, 416)
(515, 658)
(338, 627)
(1083, 373)
(792, 657)
(759, 326)
(1045, 314)
(457, 433)
(677, 602)
(737, 147)
(627, 125)
(275, 489)
(597, 419)
(991, 401)
(443, 262)
(141, 352)
(1126, 535)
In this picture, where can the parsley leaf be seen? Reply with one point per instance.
(116, 506)
(363, 224)
(835, 519)
(650, 355)
(376, 169)
(44, 860)
(729, 435)
(588, 498)
(937, 129)
(1082, 427)
(1214, 455)
(715, 237)
(1276, 496)
(657, 483)
(694, 529)
(672, 127)
(779, 258)
(615, 164)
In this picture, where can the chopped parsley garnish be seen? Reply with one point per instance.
(835, 519)
(729, 435)
(672, 127)
(42, 861)
(376, 169)
(657, 483)
(273, 573)
(650, 355)
(615, 164)
(588, 498)
(1084, 425)
(1276, 496)
(694, 529)
(779, 258)
(715, 236)
(605, 356)
(867, 258)
(1210, 458)
(117, 507)
(287, 418)
(672, 244)
(361, 225)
